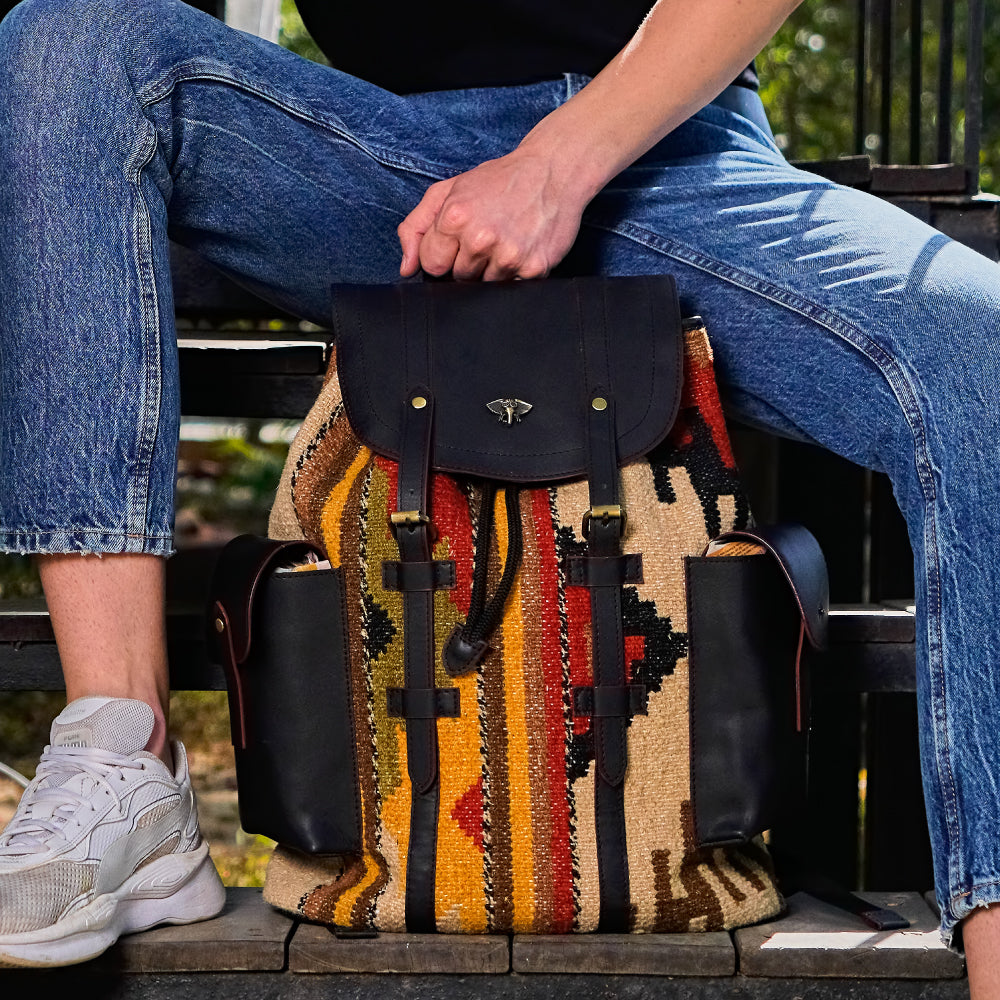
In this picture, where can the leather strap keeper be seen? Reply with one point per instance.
(603, 571)
(418, 576)
(609, 702)
(422, 703)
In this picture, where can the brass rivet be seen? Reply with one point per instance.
(418, 402)
(599, 403)
(220, 625)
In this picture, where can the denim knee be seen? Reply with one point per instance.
(56, 53)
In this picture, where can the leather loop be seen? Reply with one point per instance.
(439, 574)
(422, 703)
(234, 679)
(609, 702)
(602, 571)
(243, 565)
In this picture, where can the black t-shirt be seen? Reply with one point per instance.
(407, 47)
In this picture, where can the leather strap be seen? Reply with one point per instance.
(602, 571)
(422, 703)
(413, 535)
(439, 574)
(877, 917)
(604, 530)
(609, 702)
(801, 560)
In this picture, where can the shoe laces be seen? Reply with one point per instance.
(60, 790)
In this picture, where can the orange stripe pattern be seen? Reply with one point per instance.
(516, 837)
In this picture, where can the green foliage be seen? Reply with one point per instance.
(228, 484)
(18, 576)
(808, 86)
(25, 717)
(294, 35)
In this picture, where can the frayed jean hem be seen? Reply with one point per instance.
(85, 541)
(963, 905)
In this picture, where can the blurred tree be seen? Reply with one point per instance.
(294, 35)
(808, 75)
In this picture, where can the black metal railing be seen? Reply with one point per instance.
(893, 65)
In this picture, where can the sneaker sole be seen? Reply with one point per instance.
(176, 889)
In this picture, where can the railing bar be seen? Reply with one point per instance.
(974, 92)
(946, 55)
(916, 75)
(885, 124)
(861, 77)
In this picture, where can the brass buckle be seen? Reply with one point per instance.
(408, 519)
(604, 514)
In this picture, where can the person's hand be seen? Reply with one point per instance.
(507, 218)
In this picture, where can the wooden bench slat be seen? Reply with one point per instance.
(868, 651)
(315, 949)
(708, 954)
(249, 935)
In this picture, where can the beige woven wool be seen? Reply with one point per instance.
(516, 837)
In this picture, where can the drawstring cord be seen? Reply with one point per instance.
(484, 616)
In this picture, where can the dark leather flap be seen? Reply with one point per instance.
(487, 343)
(801, 560)
(243, 563)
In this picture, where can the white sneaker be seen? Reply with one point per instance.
(104, 842)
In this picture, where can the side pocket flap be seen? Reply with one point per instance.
(801, 560)
(243, 563)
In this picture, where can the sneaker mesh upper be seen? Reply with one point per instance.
(94, 789)
(38, 897)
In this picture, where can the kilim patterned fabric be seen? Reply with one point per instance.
(516, 844)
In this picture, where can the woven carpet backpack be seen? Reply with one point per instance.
(549, 701)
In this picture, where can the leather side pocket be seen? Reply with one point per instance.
(297, 777)
(743, 635)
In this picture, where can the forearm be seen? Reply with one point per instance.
(684, 55)
(518, 215)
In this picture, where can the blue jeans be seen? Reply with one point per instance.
(835, 317)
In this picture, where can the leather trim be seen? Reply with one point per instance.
(743, 632)
(299, 657)
(234, 679)
(460, 656)
(801, 560)
(491, 340)
(439, 574)
(243, 563)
